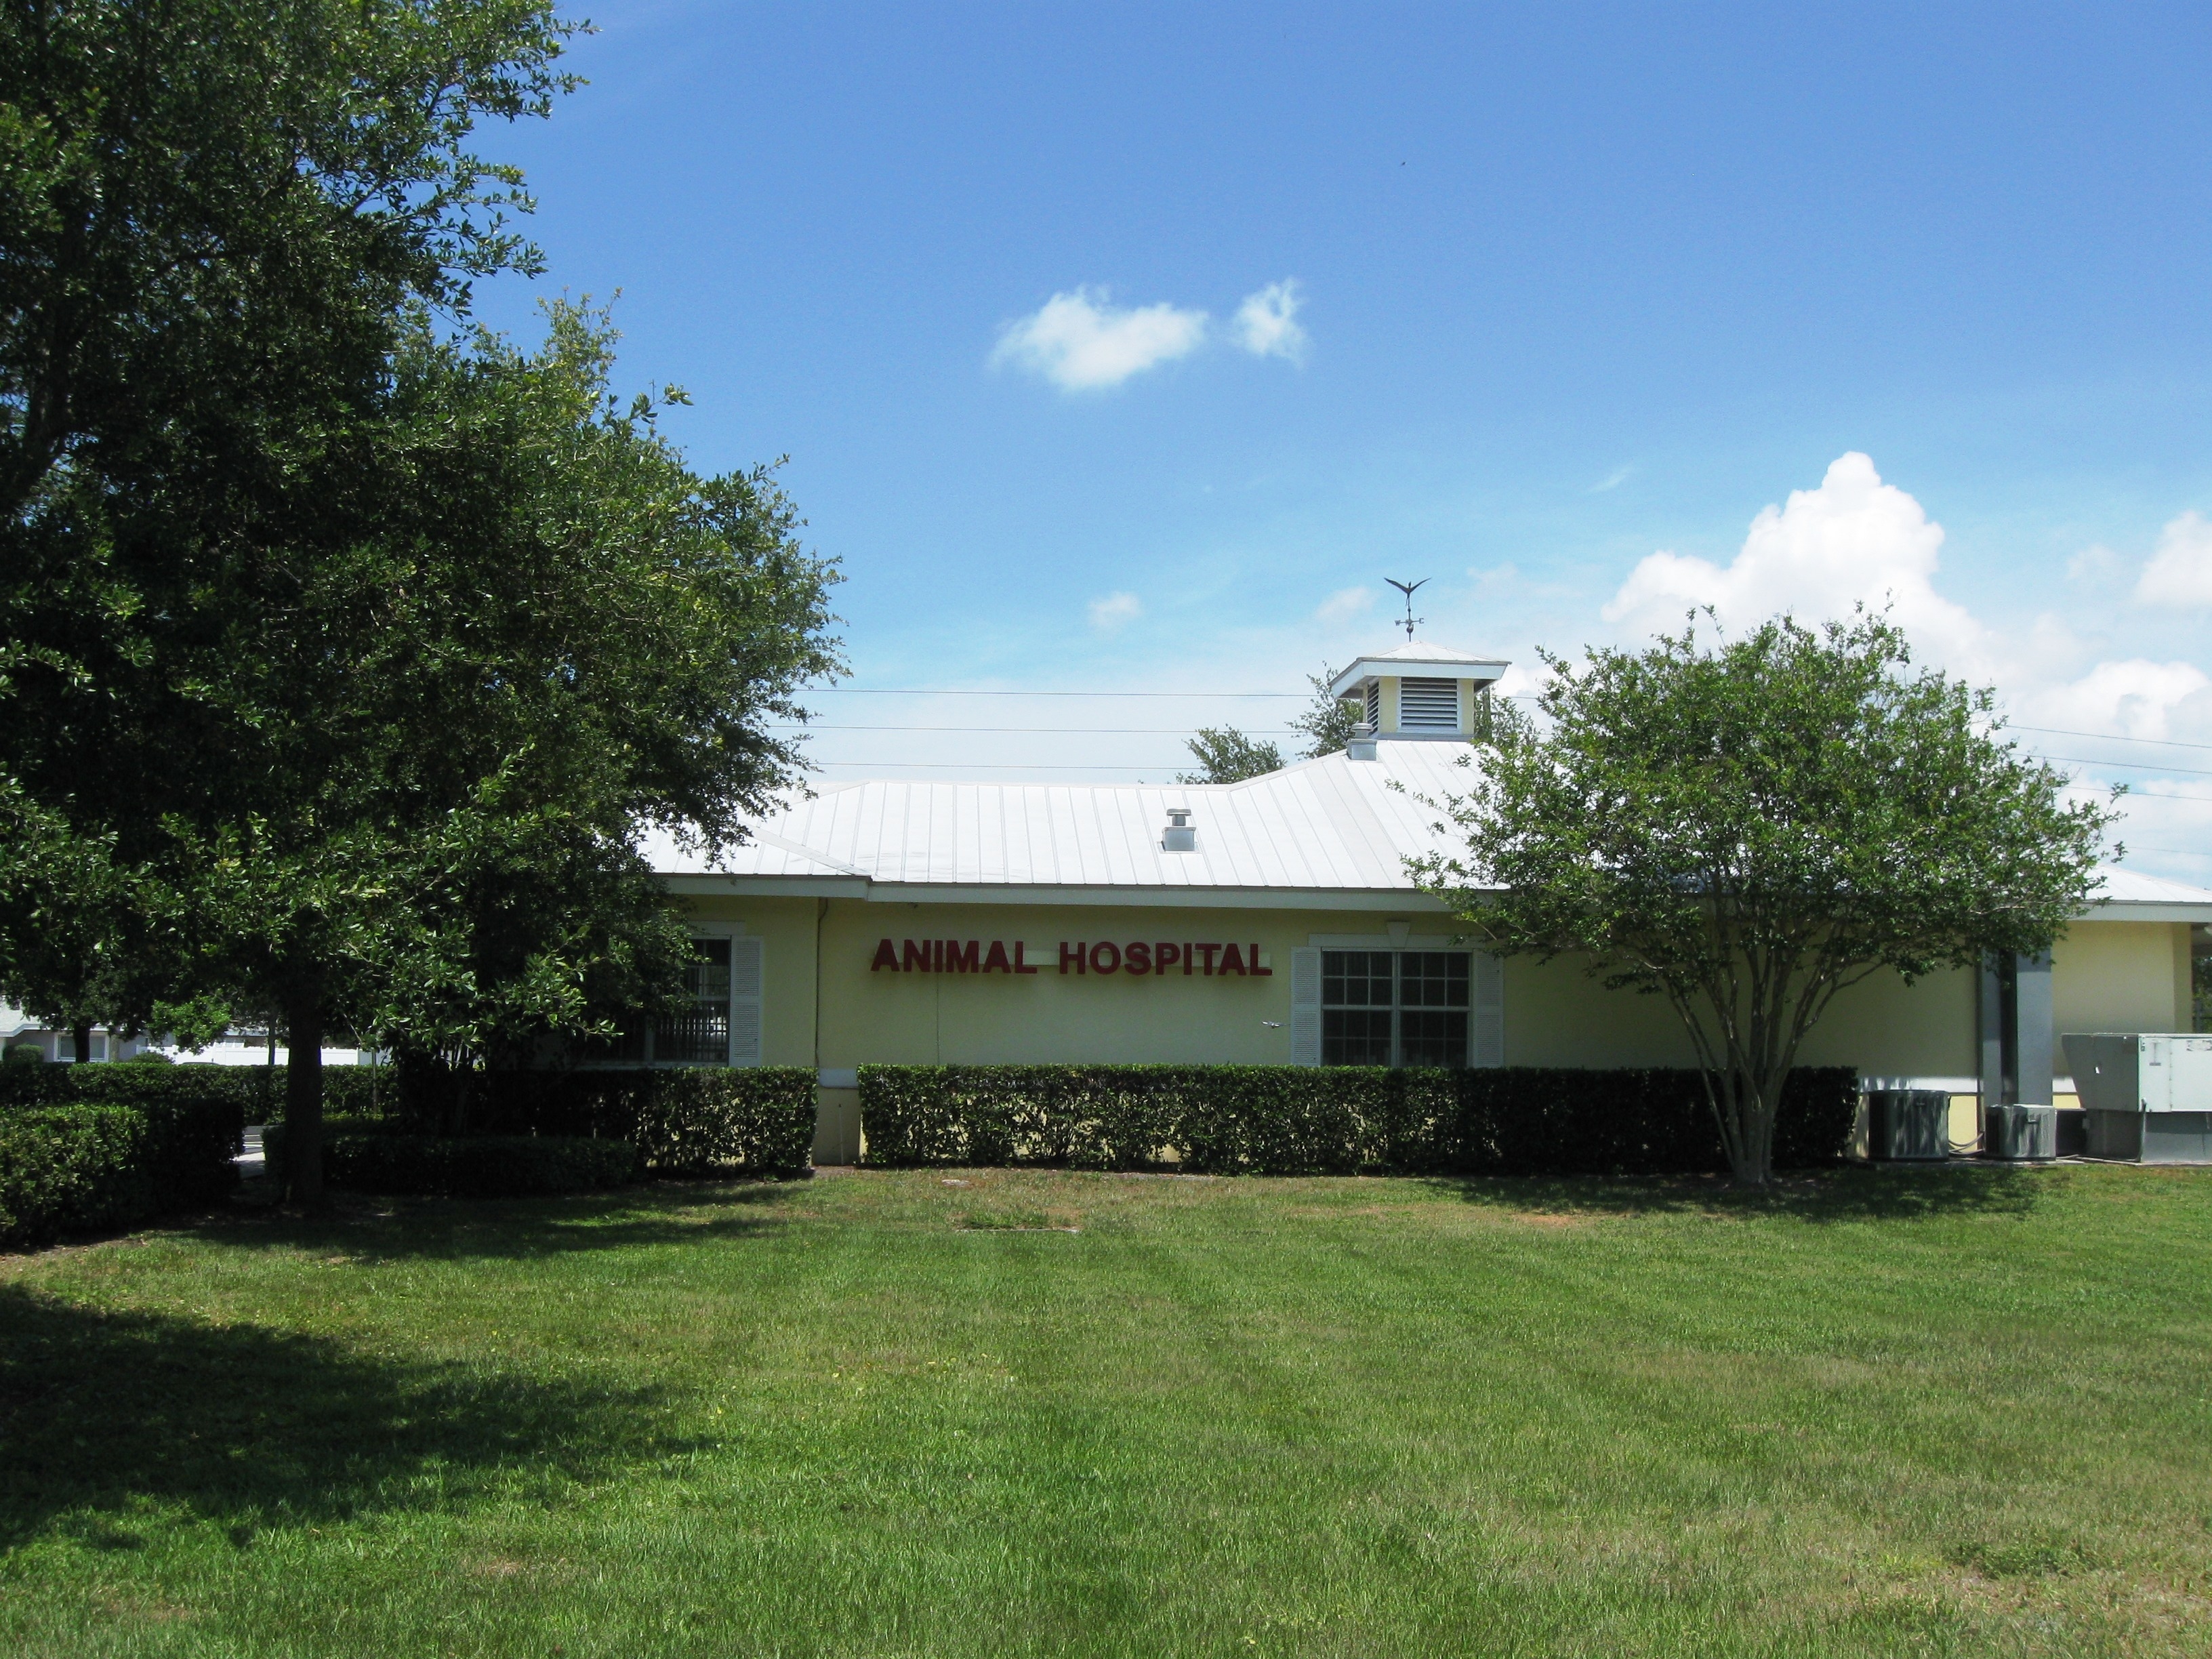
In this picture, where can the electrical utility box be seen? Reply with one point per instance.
(2148, 1097)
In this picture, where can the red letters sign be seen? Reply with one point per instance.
(1138, 956)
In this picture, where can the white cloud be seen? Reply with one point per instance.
(2135, 698)
(2180, 571)
(1612, 480)
(1267, 323)
(1115, 611)
(1854, 540)
(1344, 603)
(1080, 343)
(2093, 561)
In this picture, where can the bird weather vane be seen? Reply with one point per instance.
(1407, 588)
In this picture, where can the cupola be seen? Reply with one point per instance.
(1417, 692)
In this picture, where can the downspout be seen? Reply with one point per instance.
(821, 912)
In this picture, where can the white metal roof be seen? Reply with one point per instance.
(1333, 831)
(1415, 658)
(1329, 826)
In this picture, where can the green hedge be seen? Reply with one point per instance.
(104, 1147)
(72, 1169)
(693, 1120)
(1286, 1120)
(382, 1160)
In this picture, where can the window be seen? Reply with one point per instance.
(1393, 1007)
(719, 1025)
(700, 1035)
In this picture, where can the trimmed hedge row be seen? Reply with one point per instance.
(257, 1090)
(97, 1154)
(1290, 1120)
(382, 1160)
(693, 1120)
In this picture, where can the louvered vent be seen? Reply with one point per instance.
(1428, 705)
(1373, 705)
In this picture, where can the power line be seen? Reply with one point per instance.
(2108, 737)
(944, 691)
(1058, 731)
(1008, 766)
(2132, 766)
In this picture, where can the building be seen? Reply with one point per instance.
(18, 1028)
(1271, 921)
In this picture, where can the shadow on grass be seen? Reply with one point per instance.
(103, 1413)
(372, 1229)
(1818, 1196)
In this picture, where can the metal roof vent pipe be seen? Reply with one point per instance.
(1361, 745)
(1179, 836)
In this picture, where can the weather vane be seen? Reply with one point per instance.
(1407, 588)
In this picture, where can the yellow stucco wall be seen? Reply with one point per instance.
(2125, 976)
(2118, 977)
(1556, 1015)
(786, 928)
(951, 1018)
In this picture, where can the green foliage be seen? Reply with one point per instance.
(382, 1160)
(24, 1054)
(1328, 722)
(1751, 830)
(347, 655)
(1224, 755)
(72, 1169)
(98, 1147)
(1288, 1120)
(215, 218)
(690, 1120)
(150, 1057)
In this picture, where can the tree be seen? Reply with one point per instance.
(216, 218)
(1328, 722)
(1751, 830)
(371, 654)
(1227, 755)
(554, 637)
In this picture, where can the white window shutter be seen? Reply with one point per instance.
(1305, 1006)
(745, 975)
(1486, 1031)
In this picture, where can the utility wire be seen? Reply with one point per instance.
(1102, 731)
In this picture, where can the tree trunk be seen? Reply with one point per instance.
(80, 1039)
(303, 1093)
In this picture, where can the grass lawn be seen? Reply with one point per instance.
(1964, 1412)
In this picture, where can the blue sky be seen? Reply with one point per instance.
(1540, 293)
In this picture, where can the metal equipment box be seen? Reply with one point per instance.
(1908, 1126)
(2020, 1134)
(2148, 1097)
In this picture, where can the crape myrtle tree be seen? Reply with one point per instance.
(1749, 829)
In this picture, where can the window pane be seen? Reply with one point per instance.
(1355, 979)
(1432, 1037)
(701, 1035)
(1432, 979)
(1355, 1036)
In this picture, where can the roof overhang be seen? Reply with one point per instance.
(1481, 671)
(704, 885)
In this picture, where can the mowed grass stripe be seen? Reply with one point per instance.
(865, 1414)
